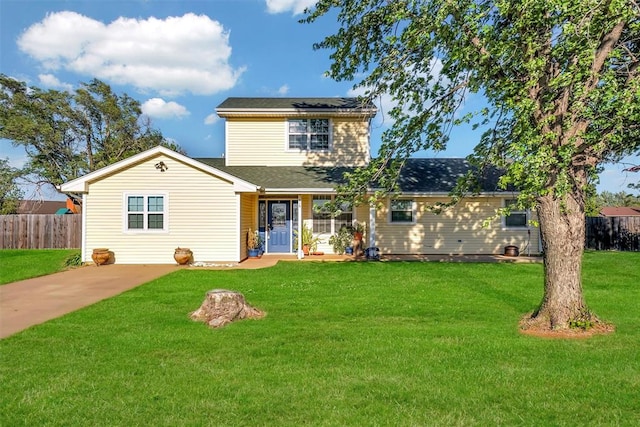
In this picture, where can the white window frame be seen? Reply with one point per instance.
(413, 212)
(325, 199)
(145, 212)
(333, 228)
(526, 213)
(308, 135)
(334, 219)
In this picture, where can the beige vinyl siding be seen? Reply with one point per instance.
(264, 141)
(201, 214)
(248, 220)
(456, 231)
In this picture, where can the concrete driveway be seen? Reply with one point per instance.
(34, 301)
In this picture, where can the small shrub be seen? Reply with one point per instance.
(73, 260)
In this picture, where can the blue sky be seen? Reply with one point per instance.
(181, 59)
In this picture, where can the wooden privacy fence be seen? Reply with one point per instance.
(40, 231)
(620, 233)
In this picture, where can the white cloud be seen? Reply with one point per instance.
(51, 81)
(295, 6)
(211, 119)
(283, 90)
(188, 53)
(159, 108)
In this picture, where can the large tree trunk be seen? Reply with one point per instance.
(562, 225)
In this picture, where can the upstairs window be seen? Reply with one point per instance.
(145, 213)
(517, 218)
(309, 134)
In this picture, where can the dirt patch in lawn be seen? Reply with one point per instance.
(537, 328)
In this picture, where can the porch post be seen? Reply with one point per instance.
(299, 219)
(372, 225)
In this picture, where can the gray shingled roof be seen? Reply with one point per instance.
(418, 175)
(283, 177)
(294, 103)
(441, 175)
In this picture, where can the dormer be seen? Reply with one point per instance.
(296, 131)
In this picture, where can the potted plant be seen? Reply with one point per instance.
(358, 230)
(253, 243)
(341, 241)
(309, 241)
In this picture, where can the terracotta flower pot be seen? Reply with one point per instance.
(100, 256)
(183, 256)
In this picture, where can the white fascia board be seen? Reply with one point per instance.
(81, 185)
(290, 112)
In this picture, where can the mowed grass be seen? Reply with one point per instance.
(20, 264)
(397, 344)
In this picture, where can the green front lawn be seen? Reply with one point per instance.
(20, 264)
(342, 344)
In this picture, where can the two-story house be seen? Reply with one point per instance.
(283, 159)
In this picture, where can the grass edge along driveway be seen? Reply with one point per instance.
(21, 264)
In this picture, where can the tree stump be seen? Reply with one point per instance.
(221, 306)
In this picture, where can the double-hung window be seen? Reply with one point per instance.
(309, 134)
(517, 218)
(323, 218)
(401, 211)
(345, 217)
(145, 212)
(321, 215)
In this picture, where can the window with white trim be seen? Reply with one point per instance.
(517, 218)
(321, 215)
(401, 211)
(145, 212)
(345, 217)
(308, 134)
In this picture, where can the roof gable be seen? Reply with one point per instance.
(81, 184)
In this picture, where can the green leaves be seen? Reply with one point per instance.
(68, 135)
(562, 76)
(10, 193)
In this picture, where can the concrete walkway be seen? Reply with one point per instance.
(34, 301)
